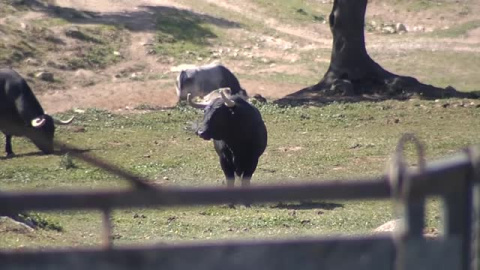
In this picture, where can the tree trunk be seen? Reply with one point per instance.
(352, 72)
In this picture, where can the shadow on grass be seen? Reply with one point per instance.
(39, 153)
(308, 205)
(181, 24)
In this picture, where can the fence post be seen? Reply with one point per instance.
(474, 186)
(457, 216)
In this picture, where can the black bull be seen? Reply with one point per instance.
(238, 132)
(22, 115)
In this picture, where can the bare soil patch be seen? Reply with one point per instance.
(145, 79)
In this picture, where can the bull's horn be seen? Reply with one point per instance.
(193, 104)
(38, 122)
(63, 122)
(230, 103)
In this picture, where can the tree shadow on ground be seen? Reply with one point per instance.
(303, 205)
(310, 97)
(39, 153)
(182, 24)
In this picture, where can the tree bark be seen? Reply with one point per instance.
(353, 73)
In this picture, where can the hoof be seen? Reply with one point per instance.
(9, 155)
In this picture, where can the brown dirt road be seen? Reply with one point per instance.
(116, 93)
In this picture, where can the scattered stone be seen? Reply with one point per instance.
(397, 224)
(419, 28)
(389, 29)
(33, 62)
(45, 76)
(400, 28)
(116, 53)
(8, 224)
(354, 146)
(74, 32)
(305, 221)
(81, 111)
(77, 129)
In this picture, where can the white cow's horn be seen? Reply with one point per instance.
(230, 103)
(63, 122)
(38, 122)
(194, 104)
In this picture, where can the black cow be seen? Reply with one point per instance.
(22, 115)
(238, 132)
(202, 80)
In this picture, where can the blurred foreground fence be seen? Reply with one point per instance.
(455, 179)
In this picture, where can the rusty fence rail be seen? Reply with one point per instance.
(454, 179)
(438, 178)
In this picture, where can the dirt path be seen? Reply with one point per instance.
(113, 92)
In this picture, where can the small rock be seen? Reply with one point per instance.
(77, 129)
(400, 28)
(79, 111)
(389, 29)
(354, 146)
(33, 62)
(116, 53)
(11, 225)
(46, 76)
(74, 32)
(305, 221)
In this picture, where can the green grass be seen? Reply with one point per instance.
(440, 68)
(100, 43)
(458, 30)
(336, 141)
(183, 36)
(296, 10)
(34, 41)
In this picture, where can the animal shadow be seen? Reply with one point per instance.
(302, 205)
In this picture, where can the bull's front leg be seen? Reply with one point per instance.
(8, 145)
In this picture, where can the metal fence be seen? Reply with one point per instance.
(454, 179)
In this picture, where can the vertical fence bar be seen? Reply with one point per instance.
(458, 213)
(107, 228)
(474, 185)
(476, 226)
(414, 217)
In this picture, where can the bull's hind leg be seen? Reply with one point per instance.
(229, 171)
(247, 176)
(8, 145)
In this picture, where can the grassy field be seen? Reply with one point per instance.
(336, 141)
(307, 143)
